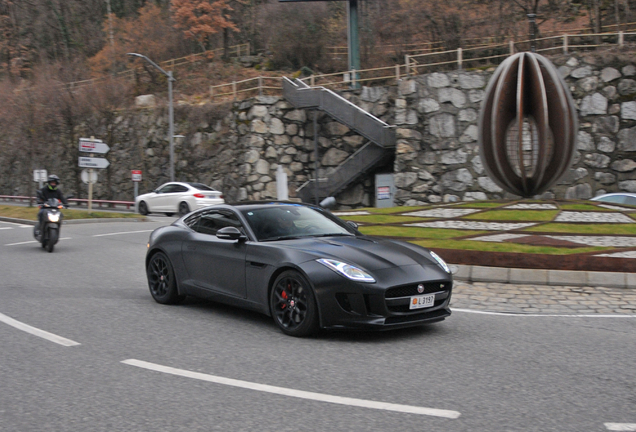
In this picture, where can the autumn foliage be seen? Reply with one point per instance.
(151, 33)
(200, 19)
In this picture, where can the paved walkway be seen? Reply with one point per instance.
(542, 299)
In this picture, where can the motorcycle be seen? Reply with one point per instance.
(49, 233)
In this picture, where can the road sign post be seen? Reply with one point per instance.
(40, 177)
(136, 178)
(92, 145)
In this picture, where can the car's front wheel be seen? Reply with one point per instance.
(161, 280)
(293, 305)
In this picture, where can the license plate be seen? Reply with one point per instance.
(423, 301)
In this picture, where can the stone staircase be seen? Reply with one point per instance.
(380, 135)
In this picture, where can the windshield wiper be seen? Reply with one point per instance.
(334, 235)
(287, 237)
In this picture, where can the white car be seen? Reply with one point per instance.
(178, 197)
(618, 198)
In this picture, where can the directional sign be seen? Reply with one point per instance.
(93, 146)
(136, 175)
(89, 162)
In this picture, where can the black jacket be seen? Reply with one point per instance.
(46, 194)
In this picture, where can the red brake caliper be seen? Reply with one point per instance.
(284, 295)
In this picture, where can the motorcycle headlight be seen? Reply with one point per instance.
(440, 261)
(347, 270)
(53, 217)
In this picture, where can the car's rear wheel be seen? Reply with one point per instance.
(143, 208)
(184, 208)
(293, 305)
(161, 280)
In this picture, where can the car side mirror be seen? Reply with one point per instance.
(230, 233)
(352, 224)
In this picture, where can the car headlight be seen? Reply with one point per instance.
(54, 217)
(347, 270)
(440, 261)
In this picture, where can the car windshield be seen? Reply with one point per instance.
(290, 221)
(201, 186)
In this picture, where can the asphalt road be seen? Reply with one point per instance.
(140, 366)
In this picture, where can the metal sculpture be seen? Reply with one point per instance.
(527, 125)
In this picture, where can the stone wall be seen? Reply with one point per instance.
(436, 158)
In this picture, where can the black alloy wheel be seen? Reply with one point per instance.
(161, 280)
(184, 208)
(143, 208)
(293, 305)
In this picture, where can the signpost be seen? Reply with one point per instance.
(40, 177)
(93, 146)
(91, 162)
(136, 178)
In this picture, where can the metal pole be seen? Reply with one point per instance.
(171, 115)
(170, 108)
(316, 155)
(353, 40)
(531, 18)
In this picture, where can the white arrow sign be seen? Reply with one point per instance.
(88, 162)
(93, 146)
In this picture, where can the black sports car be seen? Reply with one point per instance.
(300, 264)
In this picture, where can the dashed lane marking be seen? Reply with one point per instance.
(34, 241)
(320, 397)
(37, 332)
(521, 314)
(621, 426)
(125, 232)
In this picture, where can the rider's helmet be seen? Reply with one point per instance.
(53, 181)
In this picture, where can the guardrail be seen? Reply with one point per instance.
(78, 201)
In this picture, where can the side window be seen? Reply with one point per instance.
(614, 199)
(192, 220)
(630, 200)
(180, 188)
(211, 221)
(166, 189)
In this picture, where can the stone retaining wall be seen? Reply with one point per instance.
(436, 157)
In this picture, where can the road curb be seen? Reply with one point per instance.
(470, 273)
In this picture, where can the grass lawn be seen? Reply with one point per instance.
(31, 213)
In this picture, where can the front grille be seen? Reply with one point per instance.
(411, 290)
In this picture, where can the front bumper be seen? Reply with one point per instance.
(384, 305)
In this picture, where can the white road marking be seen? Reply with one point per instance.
(35, 241)
(515, 314)
(321, 397)
(3, 228)
(118, 233)
(17, 224)
(37, 332)
(621, 426)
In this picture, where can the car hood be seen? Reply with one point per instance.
(368, 252)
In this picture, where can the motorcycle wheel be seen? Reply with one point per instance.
(52, 239)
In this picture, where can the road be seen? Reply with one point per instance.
(114, 360)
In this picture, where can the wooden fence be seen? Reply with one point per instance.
(461, 58)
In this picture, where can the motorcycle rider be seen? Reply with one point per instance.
(51, 190)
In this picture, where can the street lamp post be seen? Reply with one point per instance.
(170, 109)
